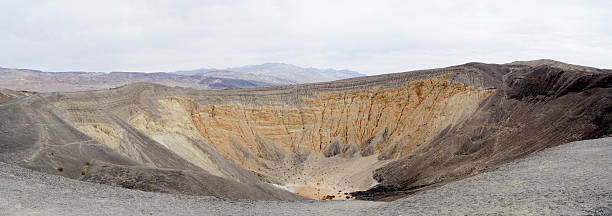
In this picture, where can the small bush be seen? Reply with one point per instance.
(328, 197)
(87, 163)
(60, 169)
(82, 172)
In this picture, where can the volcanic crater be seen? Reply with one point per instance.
(375, 138)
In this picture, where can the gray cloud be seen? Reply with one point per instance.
(367, 36)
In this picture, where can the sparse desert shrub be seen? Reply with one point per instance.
(83, 172)
(87, 163)
(328, 197)
(60, 169)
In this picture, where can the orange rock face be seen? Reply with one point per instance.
(393, 121)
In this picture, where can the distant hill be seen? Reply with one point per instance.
(264, 75)
(277, 73)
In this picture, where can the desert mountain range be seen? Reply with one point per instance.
(268, 74)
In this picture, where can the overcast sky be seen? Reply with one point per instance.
(371, 37)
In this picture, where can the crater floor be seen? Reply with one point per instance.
(571, 179)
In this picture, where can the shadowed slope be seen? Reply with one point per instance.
(534, 108)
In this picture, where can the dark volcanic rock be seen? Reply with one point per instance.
(534, 108)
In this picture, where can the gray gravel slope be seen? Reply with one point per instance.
(571, 179)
